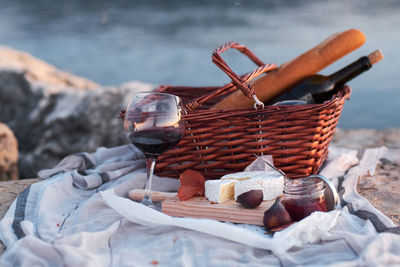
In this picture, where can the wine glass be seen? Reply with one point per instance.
(153, 124)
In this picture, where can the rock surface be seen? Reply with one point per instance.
(367, 138)
(383, 189)
(8, 192)
(54, 114)
(40, 72)
(8, 154)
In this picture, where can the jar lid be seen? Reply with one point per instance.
(331, 195)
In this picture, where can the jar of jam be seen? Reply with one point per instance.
(303, 196)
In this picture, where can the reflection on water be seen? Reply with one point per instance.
(170, 42)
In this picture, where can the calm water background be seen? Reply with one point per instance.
(170, 42)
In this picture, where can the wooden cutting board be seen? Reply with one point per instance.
(228, 211)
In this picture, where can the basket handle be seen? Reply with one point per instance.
(246, 88)
(240, 82)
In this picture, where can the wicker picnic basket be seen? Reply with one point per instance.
(217, 142)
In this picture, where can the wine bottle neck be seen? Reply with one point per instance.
(344, 75)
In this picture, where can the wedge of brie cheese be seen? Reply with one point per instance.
(232, 185)
(270, 182)
(219, 190)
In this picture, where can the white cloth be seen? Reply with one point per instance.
(80, 216)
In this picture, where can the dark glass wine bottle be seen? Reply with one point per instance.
(318, 88)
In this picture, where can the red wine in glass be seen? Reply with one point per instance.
(153, 124)
(153, 142)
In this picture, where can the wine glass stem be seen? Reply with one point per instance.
(150, 162)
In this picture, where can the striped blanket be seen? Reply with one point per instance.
(80, 215)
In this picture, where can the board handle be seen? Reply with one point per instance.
(137, 195)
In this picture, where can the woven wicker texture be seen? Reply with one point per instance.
(220, 142)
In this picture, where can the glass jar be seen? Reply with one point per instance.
(303, 196)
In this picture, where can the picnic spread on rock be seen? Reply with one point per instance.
(246, 165)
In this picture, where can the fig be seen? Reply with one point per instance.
(276, 216)
(251, 199)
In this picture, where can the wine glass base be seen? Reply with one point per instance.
(147, 202)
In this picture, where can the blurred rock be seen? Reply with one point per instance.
(358, 138)
(54, 114)
(366, 138)
(8, 154)
(392, 137)
(383, 189)
(40, 72)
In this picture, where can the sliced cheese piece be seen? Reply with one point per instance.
(270, 182)
(239, 176)
(219, 190)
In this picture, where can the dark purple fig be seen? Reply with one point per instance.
(251, 199)
(276, 216)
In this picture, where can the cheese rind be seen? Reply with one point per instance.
(219, 190)
(271, 184)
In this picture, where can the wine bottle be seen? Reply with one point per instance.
(318, 88)
(270, 86)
